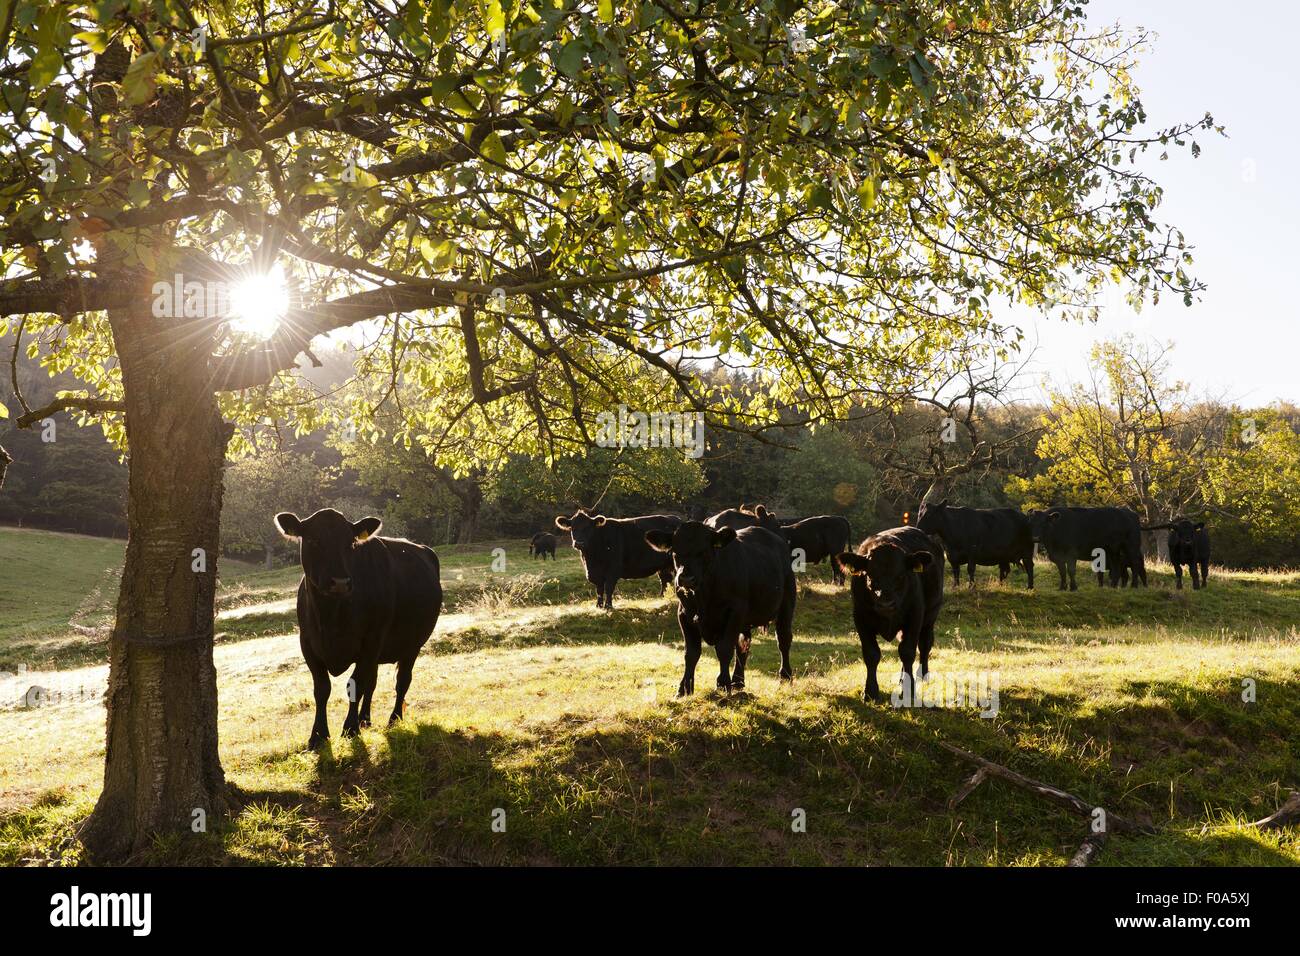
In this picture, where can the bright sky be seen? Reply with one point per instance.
(1238, 204)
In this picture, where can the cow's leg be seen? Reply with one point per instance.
(837, 576)
(1178, 575)
(1205, 574)
(785, 634)
(970, 573)
(926, 642)
(1004, 572)
(363, 712)
(725, 647)
(1028, 565)
(870, 657)
(609, 592)
(742, 655)
(1060, 569)
(691, 634)
(956, 574)
(320, 684)
(404, 669)
(1073, 567)
(363, 685)
(907, 657)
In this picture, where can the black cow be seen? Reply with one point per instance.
(363, 600)
(728, 582)
(614, 548)
(897, 586)
(1069, 535)
(543, 543)
(820, 537)
(746, 516)
(972, 536)
(1189, 544)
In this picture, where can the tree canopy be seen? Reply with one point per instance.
(583, 196)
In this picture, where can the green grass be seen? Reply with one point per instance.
(531, 701)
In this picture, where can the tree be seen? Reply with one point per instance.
(262, 485)
(1129, 438)
(829, 476)
(541, 208)
(1255, 484)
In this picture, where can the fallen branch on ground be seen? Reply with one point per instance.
(1088, 850)
(1114, 822)
(1288, 813)
(966, 788)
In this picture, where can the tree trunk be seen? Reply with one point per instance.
(161, 760)
(471, 505)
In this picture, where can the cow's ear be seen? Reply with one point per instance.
(724, 537)
(1199, 526)
(365, 528)
(659, 540)
(921, 560)
(760, 511)
(851, 563)
(563, 523)
(290, 524)
(1053, 515)
(598, 520)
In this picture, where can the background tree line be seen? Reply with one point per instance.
(1132, 437)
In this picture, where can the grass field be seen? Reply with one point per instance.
(532, 707)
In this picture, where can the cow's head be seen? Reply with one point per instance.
(886, 570)
(694, 545)
(933, 517)
(1039, 522)
(764, 517)
(329, 542)
(1184, 531)
(581, 527)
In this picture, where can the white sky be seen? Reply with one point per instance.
(1239, 62)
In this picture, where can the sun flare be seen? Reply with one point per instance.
(259, 303)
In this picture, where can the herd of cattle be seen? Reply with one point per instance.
(366, 600)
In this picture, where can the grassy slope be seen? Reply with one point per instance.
(532, 701)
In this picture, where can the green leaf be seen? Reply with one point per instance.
(920, 78)
(139, 85)
(46, 65)
(496, 19)
(138, 193)
(569, 62)
(95, 39)
(605, 8)
(493, 148)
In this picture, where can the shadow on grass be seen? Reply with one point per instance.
(724, 780)
(763, 779)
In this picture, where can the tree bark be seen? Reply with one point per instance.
(161, 760)
(471, 506)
